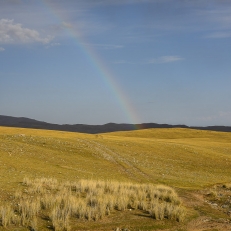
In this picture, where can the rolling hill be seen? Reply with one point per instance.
(23, 122)
(176, 156)
(188, 160)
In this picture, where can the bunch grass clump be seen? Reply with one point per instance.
(87, 200)
(7, 216)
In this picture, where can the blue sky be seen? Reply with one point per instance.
(124, 61)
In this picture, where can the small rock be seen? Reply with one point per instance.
(206, 220)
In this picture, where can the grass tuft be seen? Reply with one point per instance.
(88, 200)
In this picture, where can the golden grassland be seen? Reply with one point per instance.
(178, 157)
(184, 159)
(73, 202)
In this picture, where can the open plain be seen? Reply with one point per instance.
(195, 164)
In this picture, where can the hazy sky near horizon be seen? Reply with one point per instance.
(122, 61)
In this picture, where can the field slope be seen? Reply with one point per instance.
(185, 159)
(178, 157)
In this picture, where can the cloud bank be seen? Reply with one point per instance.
(14, 33)
(166, 59)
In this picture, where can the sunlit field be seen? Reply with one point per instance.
(37, 164)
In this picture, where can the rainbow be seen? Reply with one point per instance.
(107, 76)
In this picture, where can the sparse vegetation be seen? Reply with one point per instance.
(219, 198)
(88, 200)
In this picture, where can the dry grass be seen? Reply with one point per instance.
(7, 216)
(88, 200)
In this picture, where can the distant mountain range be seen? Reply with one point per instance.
(22, 122)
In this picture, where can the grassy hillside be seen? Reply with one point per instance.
(186, 159)
(177, 157)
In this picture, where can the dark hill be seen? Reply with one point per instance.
(23, 122)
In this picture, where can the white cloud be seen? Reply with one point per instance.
(109, 46)
(11, 32)
(218, 35)
(105, 46)
(67, 25)
(122, 62)
(1, 49)
(53, 45)
(165, 59)
(162, 59)
(119, 2)
(219, 17)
